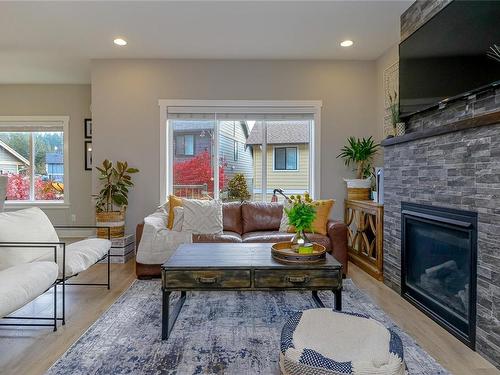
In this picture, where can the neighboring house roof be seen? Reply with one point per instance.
(14, 153)
(54, 158)
(280, 132)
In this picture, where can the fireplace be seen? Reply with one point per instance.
(438, 263)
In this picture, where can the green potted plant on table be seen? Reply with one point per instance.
(301, 214)
(112, 200)
(397, 125)
(359, 151)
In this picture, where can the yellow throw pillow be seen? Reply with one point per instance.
(173, 202)
(323, 209)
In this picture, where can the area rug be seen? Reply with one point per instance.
(216, 333)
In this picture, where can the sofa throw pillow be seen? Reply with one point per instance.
(284, 217)
(29, 225)
(202, 216)
(323, 209)
(173, 202)
(178, 218)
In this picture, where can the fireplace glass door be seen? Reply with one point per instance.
(437, 267)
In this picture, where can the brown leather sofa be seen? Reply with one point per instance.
(257, 222)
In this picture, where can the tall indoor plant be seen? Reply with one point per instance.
(112, 199)
(360, 152)
(398, 126)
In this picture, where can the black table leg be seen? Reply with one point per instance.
(319, 303)
(168, 319)
(338, 299)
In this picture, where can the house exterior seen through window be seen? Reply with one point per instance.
(285, 158)
(208, 154)
(33, 159)
(184, 145)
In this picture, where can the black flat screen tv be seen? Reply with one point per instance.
(450, 56)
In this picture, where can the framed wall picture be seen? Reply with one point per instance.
(88, 128)
(88, 155)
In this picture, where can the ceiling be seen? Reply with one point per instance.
(53, 42)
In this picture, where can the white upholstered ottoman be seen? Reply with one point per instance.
(327, 342)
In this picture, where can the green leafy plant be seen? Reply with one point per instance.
(116, 182)
(237, 188)
(394, 109)
(301, 213)
(359, 151)
(494, 53)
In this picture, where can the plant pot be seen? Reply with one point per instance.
(358, 189)
(115, 220)
(399, 129)
(300, 240)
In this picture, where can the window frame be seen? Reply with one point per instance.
(36, 121)
(184, 144)
(236, 150)
(286, 147)
(310, 107)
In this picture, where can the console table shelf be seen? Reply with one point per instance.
(364, 220)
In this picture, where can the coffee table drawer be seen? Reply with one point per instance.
(297, 279)
(217, 279)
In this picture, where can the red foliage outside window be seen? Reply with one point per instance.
(18, 189)
(197, 171)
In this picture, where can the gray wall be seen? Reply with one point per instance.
(59, 100)
(126, 115)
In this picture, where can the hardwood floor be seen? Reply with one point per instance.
(31, 351)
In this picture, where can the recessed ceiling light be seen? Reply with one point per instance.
(120, 42)
(346, 43)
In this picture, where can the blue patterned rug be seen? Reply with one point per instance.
(216, 333)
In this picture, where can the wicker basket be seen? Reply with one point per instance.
(115, 220)
(358, 194)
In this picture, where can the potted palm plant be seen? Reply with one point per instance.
(359, 151)
(112, 199)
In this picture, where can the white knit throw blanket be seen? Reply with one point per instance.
(347, 338)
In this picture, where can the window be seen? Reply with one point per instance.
(235, 152)
(33, 156)
(241, 151)
(285, 158)
(184, 145)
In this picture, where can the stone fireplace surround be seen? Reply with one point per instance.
(450, 158)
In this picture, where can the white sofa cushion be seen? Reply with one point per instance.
(23, 283)
(202, 216)
(157, 242)
(83, 254)
(29, 225)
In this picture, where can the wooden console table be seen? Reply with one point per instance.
(365, 234)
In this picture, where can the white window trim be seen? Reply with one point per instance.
(62, 121)
(250, 106)
(286, 170)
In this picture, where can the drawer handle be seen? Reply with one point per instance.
(207, 280)
(297, 279)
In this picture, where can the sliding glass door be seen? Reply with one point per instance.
(239, 156)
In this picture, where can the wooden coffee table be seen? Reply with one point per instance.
(236, 266)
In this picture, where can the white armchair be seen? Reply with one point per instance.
(31, 230)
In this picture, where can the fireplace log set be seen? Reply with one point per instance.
(448, 283)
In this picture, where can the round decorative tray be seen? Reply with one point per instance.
(283, 252)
